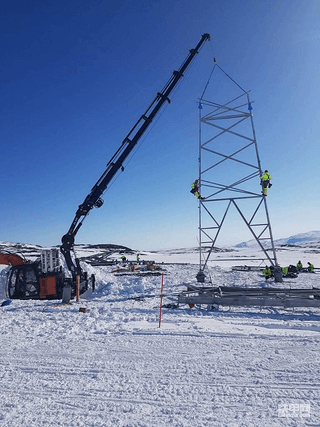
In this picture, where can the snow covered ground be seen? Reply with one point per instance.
(114, 366)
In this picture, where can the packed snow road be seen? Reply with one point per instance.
(114, 366)
(147, 380)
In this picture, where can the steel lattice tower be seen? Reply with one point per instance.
(229, 176)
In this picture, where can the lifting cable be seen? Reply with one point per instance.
(207, 84)
(226, 74)
(214, 66)
(231, 79)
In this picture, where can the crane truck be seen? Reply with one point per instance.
(46, 278)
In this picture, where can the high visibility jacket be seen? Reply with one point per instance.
(195, 186)
(299, 265)
(266, 272)
(285, 270)
(311, 266)
(265, 177)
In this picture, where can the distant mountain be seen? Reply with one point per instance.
(301, 239)
(27, 250)
(84, 251)
(32, 252)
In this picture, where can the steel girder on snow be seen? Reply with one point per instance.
(258, 297)
(227, 140)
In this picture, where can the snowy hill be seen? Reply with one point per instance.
(27, 250)
(31, 252)
(308, 249)
(93, 252)
(303, 239)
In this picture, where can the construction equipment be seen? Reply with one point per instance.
(47, 280)
(44, 278)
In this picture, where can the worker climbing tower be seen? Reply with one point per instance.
(229, 172)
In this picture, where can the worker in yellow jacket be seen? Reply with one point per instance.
(265, 182)
(266, 272)
(195, 189)
(310, 267)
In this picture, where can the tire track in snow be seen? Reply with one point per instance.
(162, 379)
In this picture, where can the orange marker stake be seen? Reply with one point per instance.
(161, 299)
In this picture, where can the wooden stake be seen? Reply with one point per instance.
(78, 288)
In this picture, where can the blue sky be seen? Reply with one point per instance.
(75, 77)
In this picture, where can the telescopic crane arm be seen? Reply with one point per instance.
(93, 199)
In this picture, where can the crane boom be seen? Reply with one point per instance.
(93, 199)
